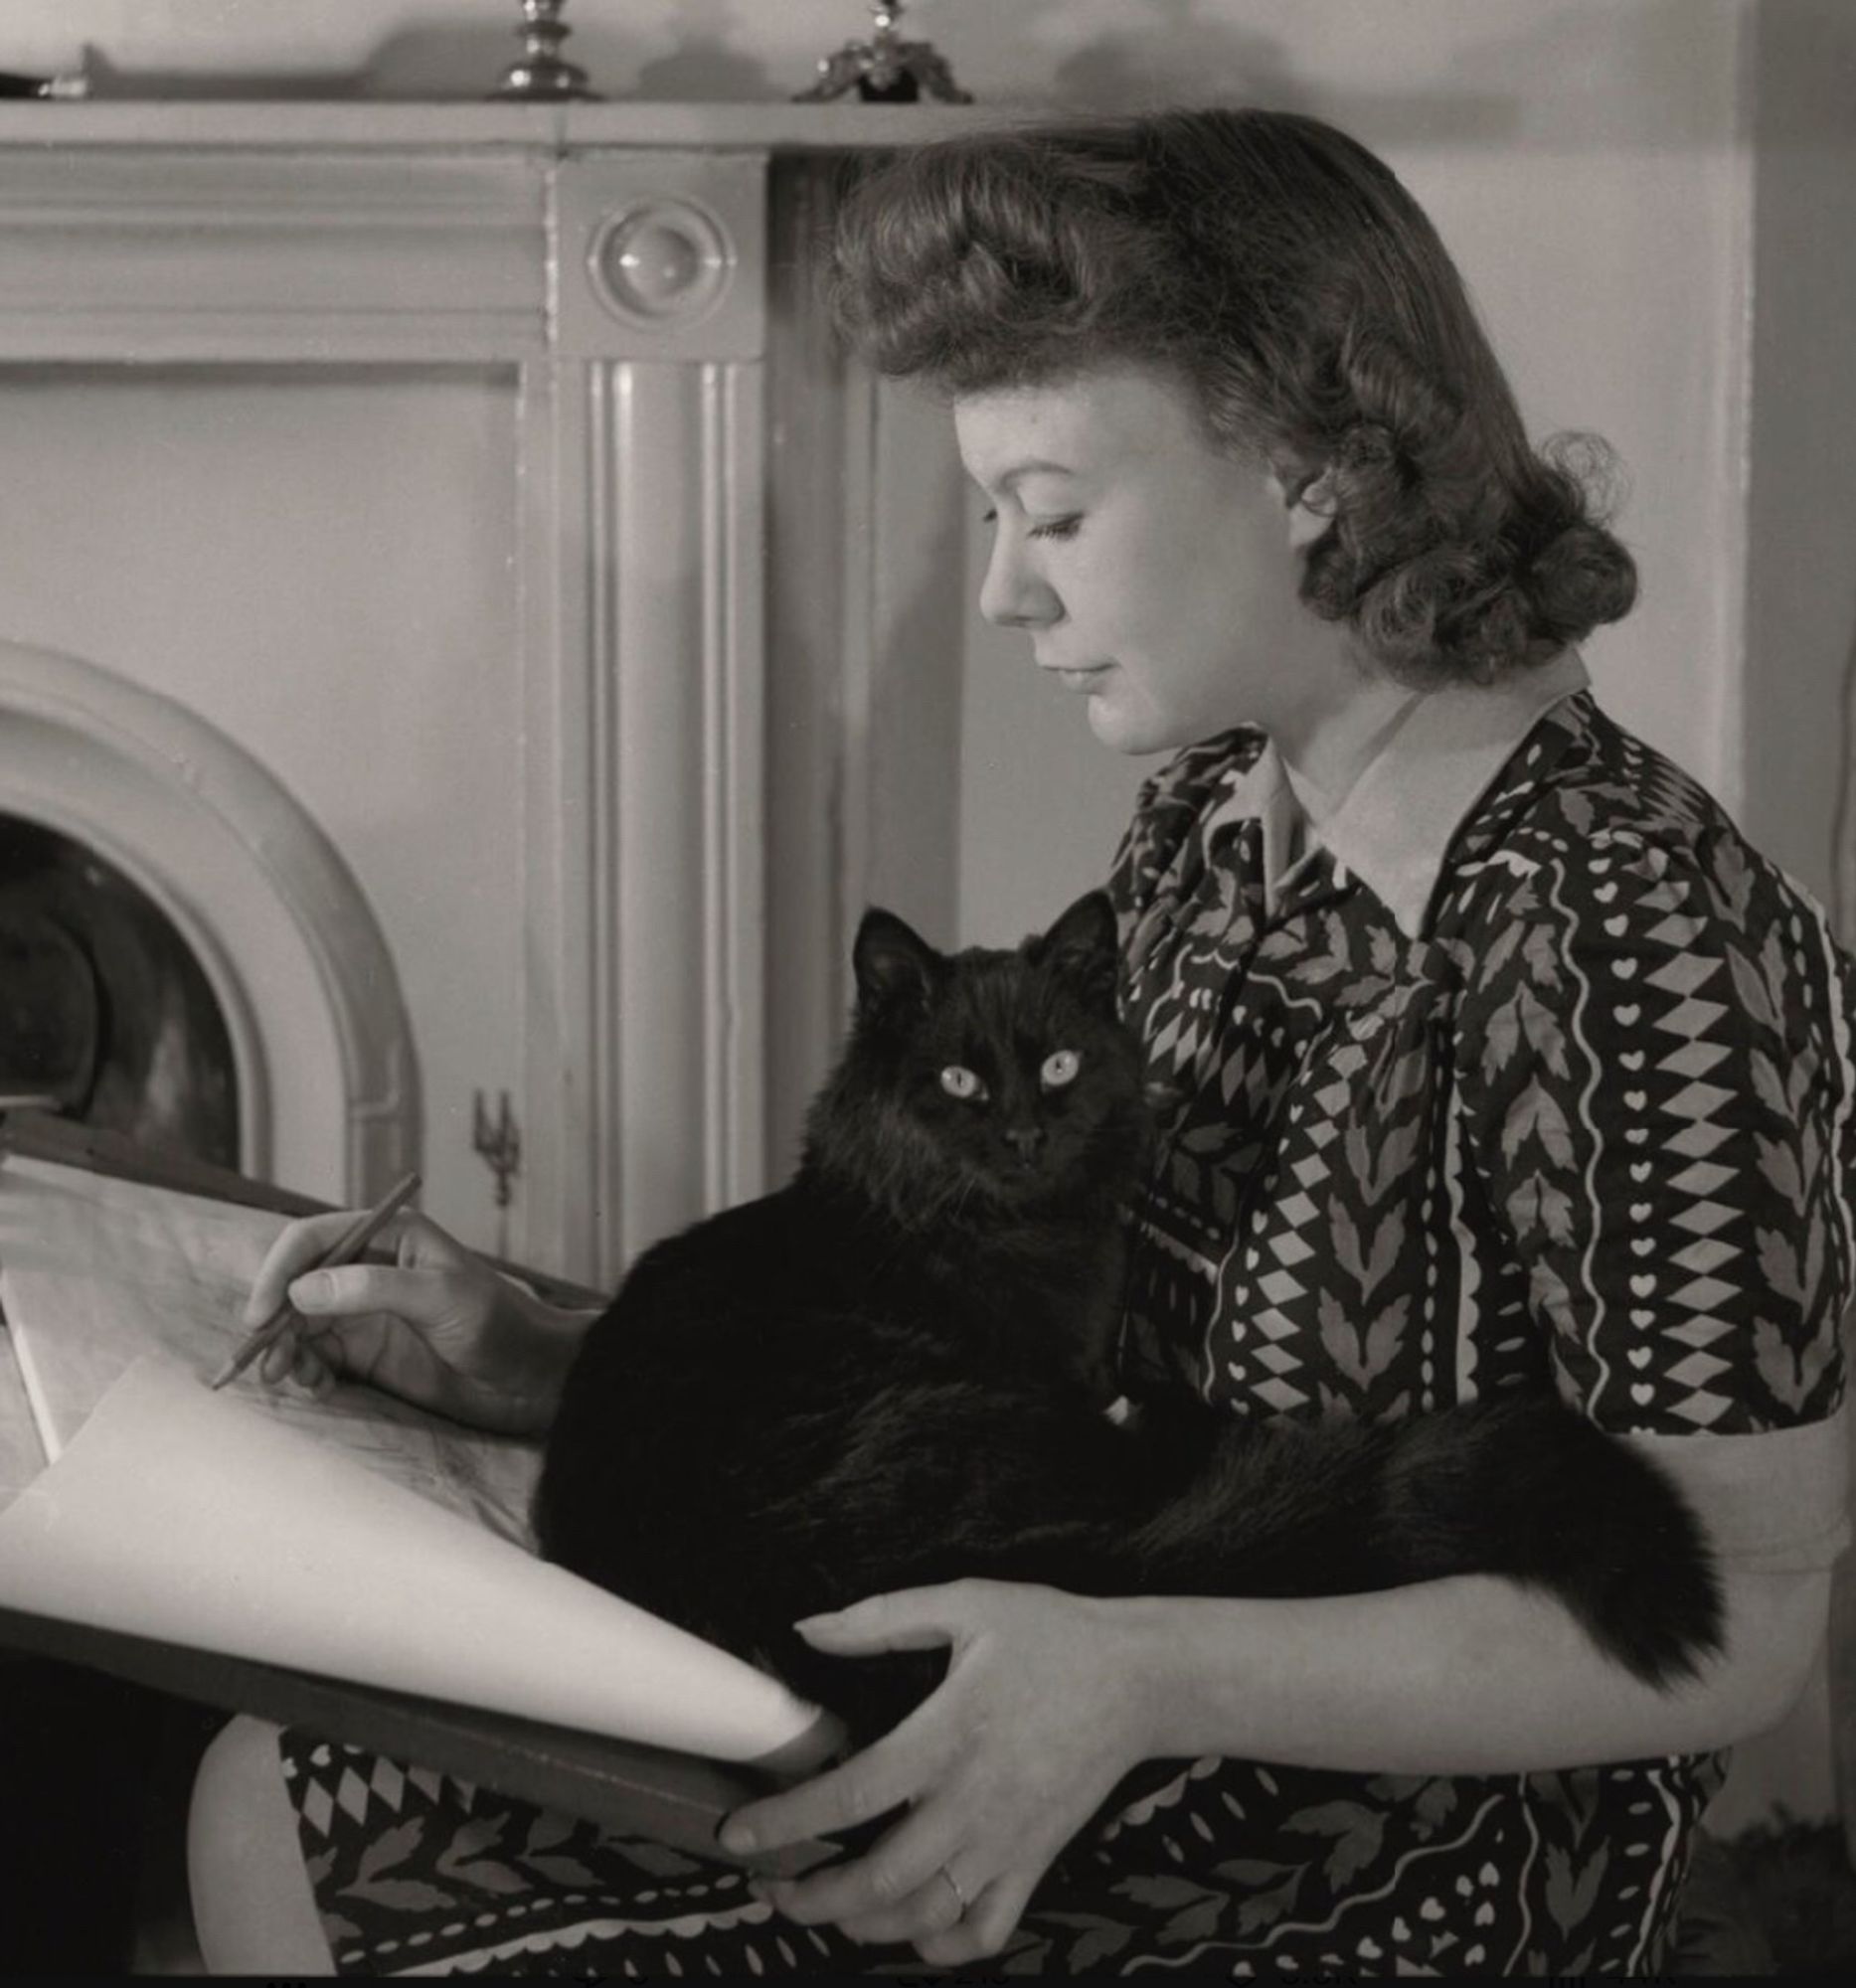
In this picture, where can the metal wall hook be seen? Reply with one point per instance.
(498, 1145)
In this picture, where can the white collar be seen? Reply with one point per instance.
(1395, 825)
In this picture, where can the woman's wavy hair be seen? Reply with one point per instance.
(1287, 275)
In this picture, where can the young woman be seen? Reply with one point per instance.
(1496, 1059)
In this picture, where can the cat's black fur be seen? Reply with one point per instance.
(895, 1372)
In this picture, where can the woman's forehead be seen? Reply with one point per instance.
(1076, 424)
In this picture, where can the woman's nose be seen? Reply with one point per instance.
(1012, 596)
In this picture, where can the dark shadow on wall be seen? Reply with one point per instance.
(1178, 52)
(1171, 52)
(703, 68)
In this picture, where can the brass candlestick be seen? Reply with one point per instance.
(885, 69)
(541, 75)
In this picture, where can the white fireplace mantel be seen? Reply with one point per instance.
(674, 409)
(379, 232)
(402, 125)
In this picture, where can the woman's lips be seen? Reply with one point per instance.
(1079, 679)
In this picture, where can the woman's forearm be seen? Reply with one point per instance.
(1465, 1676)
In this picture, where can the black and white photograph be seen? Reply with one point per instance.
(927, 989)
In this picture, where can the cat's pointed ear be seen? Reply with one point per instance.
(895, 965)
(1081, 946)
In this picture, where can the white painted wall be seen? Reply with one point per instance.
(1801, 576)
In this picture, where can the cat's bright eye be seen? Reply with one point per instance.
(959, 1081)
(1059, 1067)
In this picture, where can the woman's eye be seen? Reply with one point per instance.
(989, 516)
(1056, 528)
(1060, 1068)
(960, 1083)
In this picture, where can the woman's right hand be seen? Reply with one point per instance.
(437, 1327)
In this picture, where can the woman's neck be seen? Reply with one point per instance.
(1327, 747)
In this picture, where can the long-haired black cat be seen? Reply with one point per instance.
(897, 1369)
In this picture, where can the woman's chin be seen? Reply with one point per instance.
(1124, 728)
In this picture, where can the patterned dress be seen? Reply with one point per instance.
(1528, 1075)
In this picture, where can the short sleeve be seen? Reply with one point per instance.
(1654, 1063)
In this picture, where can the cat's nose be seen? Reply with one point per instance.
(1024, 1140)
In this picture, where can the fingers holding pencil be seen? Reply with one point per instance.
(277, 1328)
(437, 1326)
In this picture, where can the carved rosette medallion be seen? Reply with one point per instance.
(661, 263)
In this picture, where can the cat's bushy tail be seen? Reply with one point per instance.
(1591, 1520)
(1515, 1486)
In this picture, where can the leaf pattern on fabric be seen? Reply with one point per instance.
(401, 1895)
(1536, 1204)
(1359, 1835)
(1794, 1375)
(560, 1870)
(1573, 1892)
(1536, 1117)
(391, 1847)
(658, 1860)
(546, 1832)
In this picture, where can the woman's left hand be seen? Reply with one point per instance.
(1041, 1713)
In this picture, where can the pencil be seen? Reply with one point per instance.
(346, 1247)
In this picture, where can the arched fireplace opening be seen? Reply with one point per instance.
(250, 994)
(105, 1015)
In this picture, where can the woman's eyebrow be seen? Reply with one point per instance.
(1037, 466)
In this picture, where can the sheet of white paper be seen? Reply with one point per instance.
(22, 1450)
(185, 1515)
(95, 1272)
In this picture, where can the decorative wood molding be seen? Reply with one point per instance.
(297, 125)
(226, 255)
(258, 891)
(616, 259)
(659, 256)
(639, 430)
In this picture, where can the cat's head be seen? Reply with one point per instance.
(986, 1079)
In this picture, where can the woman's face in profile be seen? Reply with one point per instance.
(1153, 571)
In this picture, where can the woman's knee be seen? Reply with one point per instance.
(254, 1911)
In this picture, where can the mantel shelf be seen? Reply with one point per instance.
(296, 124)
